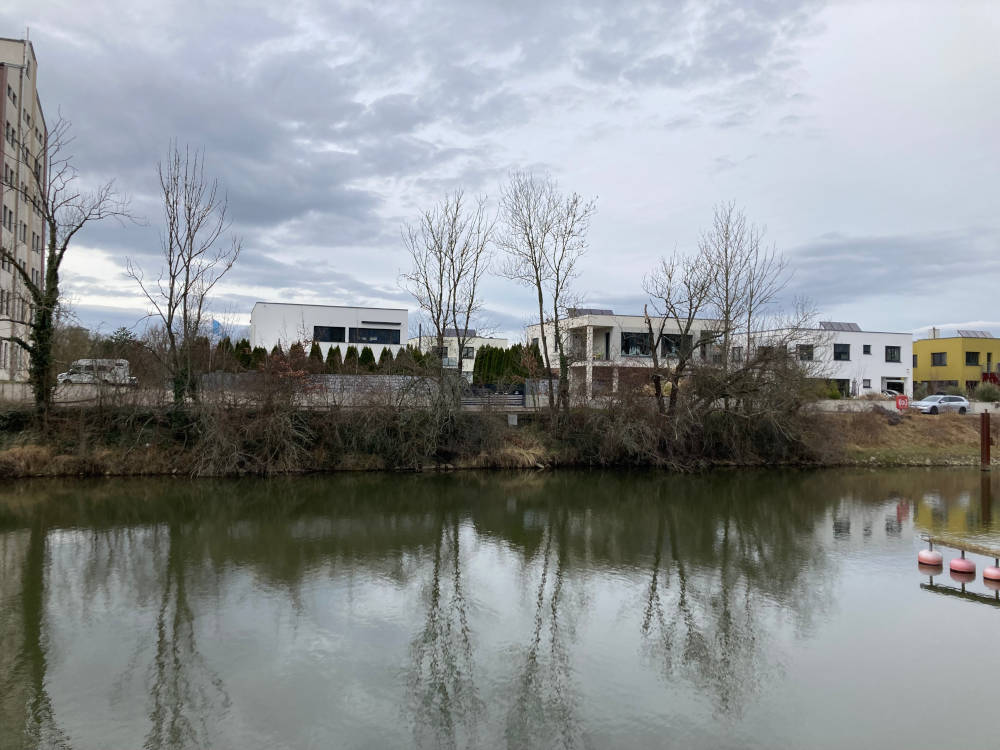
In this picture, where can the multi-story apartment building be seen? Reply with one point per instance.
(22, 235)
(961, 361)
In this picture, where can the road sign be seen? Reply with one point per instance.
(902, 402)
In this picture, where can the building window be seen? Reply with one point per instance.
(328, 334)
(842, 352)
(672, 344)
(636, 344)
(893, 354)
(382, 336)
(914, 360)
(866, 348)
(866, 383)
(468, 352)
(805, 352)
(972, 359)
(441, 352)
(939, 359)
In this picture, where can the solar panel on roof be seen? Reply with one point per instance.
(968, 333)
(833, 325)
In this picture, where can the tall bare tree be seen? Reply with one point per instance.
(448, 247)
(679, 289)
(196, 255)
(48, 180)
(544, 235)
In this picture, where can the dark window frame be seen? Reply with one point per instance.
(894, 354)
(642, 339)
(839, 352)
(975, 362)
(329, 334)
(377, 336)
(939, 359)
(866, 348)
(805, 352)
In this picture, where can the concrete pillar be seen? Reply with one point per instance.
(590, 363)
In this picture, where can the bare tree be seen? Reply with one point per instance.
(679, 289)
(48, 180)
(544, 237)
(747, 276)
(448, 248)
(195, 258)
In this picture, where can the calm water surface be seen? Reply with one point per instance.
(760, 610)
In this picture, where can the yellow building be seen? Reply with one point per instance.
(956, 361)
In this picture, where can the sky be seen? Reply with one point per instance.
(861, 135)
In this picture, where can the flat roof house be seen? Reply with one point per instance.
(449, 357)
(602, 346)
(859, 362)
(283, 323)
(961, 361)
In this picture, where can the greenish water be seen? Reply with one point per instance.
(737, 610)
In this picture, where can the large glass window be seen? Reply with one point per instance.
(972, 359)
(939, 359)
(468, 352)
(636, 344)
(892, 354)
(373, 336)
(805, 352)
(675, 344)
(328, 334)
(842, 352)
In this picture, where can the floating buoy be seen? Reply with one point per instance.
(929, 557)
(962, 565)
(962, 577)
(991, 573)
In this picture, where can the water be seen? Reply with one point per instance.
(738, 610)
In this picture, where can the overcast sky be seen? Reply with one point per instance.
(863, 135)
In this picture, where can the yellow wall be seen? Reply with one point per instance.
(955, 349)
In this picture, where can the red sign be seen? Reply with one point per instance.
(902, 402)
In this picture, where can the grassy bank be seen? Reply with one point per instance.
(223, 441)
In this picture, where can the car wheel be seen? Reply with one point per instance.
(961, 410)
(934, 410)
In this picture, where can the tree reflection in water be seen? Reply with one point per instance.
(543, 710)
(444, 701)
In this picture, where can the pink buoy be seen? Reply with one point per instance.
(962, 565)
(929, 557)
(991, 573)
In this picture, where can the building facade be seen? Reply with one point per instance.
(859, 362)
(283, 324)
(602, 346)
(22, 234)
(961, 361)
(449, 348)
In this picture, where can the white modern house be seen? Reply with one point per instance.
(858, 362)
(282, 323)
(601, 345)
(449, 349)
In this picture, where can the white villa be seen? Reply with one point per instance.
(281, 323)
(601, 345)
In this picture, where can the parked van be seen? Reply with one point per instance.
(93, 371)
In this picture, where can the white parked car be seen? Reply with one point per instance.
(94, 371)
(936, 404)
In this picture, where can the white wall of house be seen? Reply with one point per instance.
(273, 323)
(867, 360)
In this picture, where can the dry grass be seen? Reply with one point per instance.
(867, 437)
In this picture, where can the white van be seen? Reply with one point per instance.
(93, 371)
